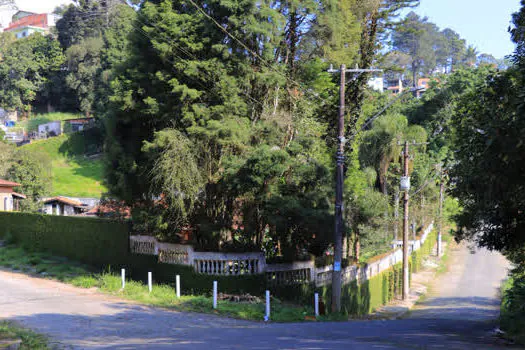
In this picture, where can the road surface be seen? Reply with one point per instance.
(459, 313)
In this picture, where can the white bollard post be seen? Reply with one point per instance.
(123, 274)
(214, 294)
(316, 304)
(267, 316)
(150, 285)
(177, 285)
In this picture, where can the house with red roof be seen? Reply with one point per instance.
(26, 23)
(9, 199)
(63, 206)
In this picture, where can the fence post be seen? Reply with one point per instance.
(177, 285)
(214, 294)
(123, 274)
(150, 285)
(316, 304)
(267, 316)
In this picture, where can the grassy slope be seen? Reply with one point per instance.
(72, 174)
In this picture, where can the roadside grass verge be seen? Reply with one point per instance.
(30, 339)
(83, 276)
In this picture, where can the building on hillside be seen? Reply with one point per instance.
(26, 23)
(394, 85)
(8, 117)
(377, 84)
(50, 129)
(9, 199)
(63, 206)
(422, 85)
(79, 124)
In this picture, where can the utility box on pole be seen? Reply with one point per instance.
(404, 183)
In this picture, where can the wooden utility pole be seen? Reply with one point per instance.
(405, 226)
(340, 164)
(440, 227)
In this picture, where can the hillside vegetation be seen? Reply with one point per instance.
(74, 174)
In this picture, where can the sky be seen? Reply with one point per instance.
(483, 23)
(42, 6)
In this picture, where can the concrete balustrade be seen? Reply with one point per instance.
(237, 264)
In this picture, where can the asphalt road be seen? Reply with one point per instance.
(459, 313)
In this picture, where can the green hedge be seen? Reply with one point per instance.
(425, 250)
(93, 241)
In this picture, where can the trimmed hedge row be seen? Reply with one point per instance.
(93, 241)
(425, 250)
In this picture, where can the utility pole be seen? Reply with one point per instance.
(339, 225)
(405, 225)
(440, 227)
(405, 186)
(340, 163)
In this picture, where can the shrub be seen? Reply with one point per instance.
(93, 241)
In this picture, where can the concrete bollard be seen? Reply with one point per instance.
(316, 304)
(123, 274)
(214, 294)
(177, 285)
(150, 282)
(267, 316)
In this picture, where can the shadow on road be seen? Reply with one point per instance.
(138, 327)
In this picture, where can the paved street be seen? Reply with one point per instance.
(459, 313)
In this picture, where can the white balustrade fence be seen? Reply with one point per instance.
(175, 253)
(237, 264)
(143, 245)
(229, 264)
(291, 273)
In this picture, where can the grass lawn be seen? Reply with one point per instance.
(73, 174)
(30, 339)
(65, 270)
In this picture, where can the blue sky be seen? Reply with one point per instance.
(483, 23)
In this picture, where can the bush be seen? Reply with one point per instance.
(512, 306)
(93, 241)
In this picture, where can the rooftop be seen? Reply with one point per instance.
(5, 183)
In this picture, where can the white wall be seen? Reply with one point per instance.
(49, 127)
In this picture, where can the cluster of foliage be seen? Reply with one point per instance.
(230, 131)
(30, 169)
